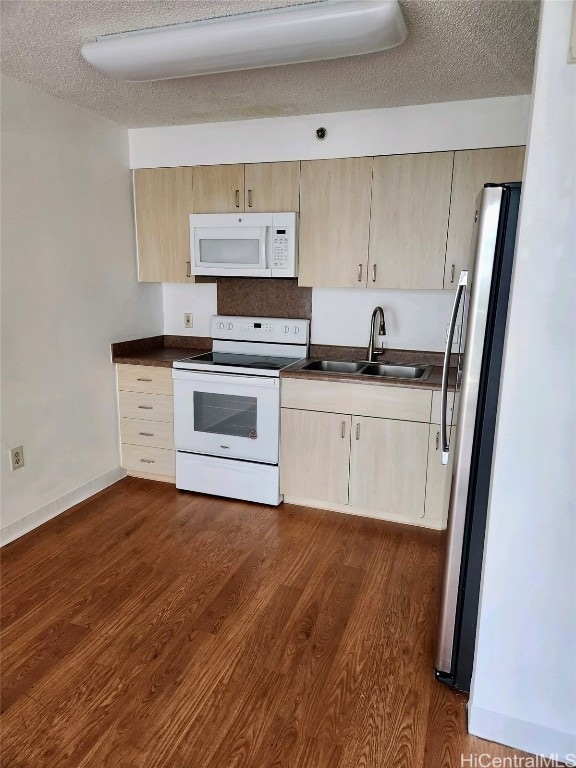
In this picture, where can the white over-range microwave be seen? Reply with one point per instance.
(244, 244)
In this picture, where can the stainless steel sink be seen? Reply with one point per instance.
(334, 366)
(420, 372)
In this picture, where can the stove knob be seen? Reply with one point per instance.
(220, 326)
(286, 329)
(296, 330)
(230, 326)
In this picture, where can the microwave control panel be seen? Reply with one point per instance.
(280, 248)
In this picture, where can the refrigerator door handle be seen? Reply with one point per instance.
(462, 283)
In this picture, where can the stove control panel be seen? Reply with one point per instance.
(273, 330)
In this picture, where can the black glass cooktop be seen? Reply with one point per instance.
(243, 361)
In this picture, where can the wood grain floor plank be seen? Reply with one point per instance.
(153, 628)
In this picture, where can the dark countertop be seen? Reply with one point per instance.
(162, 351)
(159, 351)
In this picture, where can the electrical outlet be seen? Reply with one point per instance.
(188, 320)
(16, 457)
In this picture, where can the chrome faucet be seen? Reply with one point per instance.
(371, 354)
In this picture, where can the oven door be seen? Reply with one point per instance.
(227, 415)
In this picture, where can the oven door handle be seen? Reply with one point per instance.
(225, 379)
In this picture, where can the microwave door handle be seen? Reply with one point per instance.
(462, 282)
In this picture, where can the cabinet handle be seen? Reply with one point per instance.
(452, 268)
(237, 198)
(146, 407)
(374, 273)
(249, 198)
(143, 379)
(146, 434)
(148, 461)
(437, 440)
(360, 273)
(188, 269)
(343, 430)
(358, 431)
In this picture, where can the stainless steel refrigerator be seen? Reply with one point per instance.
(480, 308)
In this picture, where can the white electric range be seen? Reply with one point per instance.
(227, 407)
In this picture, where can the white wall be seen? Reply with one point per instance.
(68, 289)
(524, 687)
(416, 320)
(179, 299)
(497, 122)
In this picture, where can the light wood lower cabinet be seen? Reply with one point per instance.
(315, 449)
(146, 401)
(388, 466)
(383, 465)
(435, 509)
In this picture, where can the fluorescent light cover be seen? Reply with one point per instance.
(329, 29)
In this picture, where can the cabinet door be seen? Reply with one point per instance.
(472, 169)
(163, 202)
(334, 222)
(388, 466)
(314, 455)
(218, 188)
(435, 507)
(272, 187)
(409, 220)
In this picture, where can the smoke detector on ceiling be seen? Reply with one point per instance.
(328, 29)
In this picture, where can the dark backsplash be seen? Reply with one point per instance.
(264, 297)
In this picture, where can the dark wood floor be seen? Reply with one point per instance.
(150, 627)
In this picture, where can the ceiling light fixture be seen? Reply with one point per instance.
(328, 29)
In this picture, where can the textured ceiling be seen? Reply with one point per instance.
(456, 49)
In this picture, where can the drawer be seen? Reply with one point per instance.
(375, 400)
(145, 378)
(156, 434)
(139, 459)
(436, 399)
(136, 405)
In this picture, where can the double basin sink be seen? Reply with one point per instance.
(383, 370)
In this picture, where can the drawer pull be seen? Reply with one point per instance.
(148, 461)
(437, 440)
(358, 431)
(146, 434)
(343, 430)
(146, 407)
(237, 198)
(143, 379)
(359, 273)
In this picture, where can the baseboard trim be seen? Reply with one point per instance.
(26, 524)
(522, 734)
(420, 522)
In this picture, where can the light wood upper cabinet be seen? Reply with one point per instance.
(334, 222)
(409, 220)
(472, 169)
(272, 187)
(163, 202)
(218, 189)
(388, 466)
(314, 455)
